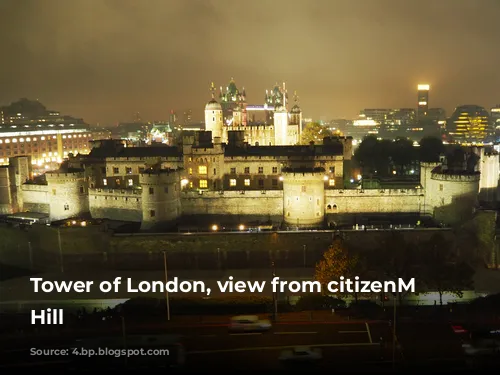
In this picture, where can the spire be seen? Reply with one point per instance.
(295, 98)
(212, 89)
(284, 95)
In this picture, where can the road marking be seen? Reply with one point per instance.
(295, 333)
(246, 334)
(369, 333)
(352, 331)
(277, 347)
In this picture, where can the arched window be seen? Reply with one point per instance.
(329, 207)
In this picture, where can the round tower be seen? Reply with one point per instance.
(213, 116)
(304, 196)
(161, 204)
(489, 166)
(452, 196)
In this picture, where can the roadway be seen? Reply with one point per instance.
(349, 346)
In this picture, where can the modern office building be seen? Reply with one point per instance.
(423, 100)
(469, 125)
(27, 128)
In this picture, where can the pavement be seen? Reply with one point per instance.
(347, 346)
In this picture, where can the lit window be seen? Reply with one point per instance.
(331, 182)
(247, 182)
(14, 140)
(43, 138)
(202, 169)
(130, 182)
(232, 182)
(203, 184)
(1, 141)
(105, 182)
(7, 141)
(28, 139)
(190, 170)
(190, 184)
(21, 139)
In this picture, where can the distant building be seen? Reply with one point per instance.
(469, 125)
(231, 115)
(422, 100)
(47, 137)
(495, 117)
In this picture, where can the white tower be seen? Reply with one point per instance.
(213, 116)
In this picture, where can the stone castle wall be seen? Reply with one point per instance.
(36, 198)
(116, 204)
(374, 201)
(250, 203)
(5, 192)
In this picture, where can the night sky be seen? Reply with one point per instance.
(104, 60)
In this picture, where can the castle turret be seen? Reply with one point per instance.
(489, 166)
(296, 114)
(304, 196)
(68, 194)
(451, 196)
(161, 204)
(213, 116)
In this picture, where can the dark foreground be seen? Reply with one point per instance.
(346, 346)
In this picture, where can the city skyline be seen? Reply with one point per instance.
(74, 60)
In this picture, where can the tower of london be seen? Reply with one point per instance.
(235, 173)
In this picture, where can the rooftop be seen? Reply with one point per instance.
(335, 149)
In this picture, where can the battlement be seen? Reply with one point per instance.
(34, 187)
(456, 177)
(374, 192)
(135, 193)
(160, 176)
(61, 177)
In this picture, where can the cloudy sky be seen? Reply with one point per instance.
(104, 60)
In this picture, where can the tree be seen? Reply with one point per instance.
(403, 154)
(476, 239)
(430, 149)
(337, 261)
(314, 132)
(366, 155)
(443, 272)
(396, 258)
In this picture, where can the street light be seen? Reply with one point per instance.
(275, 297)
(215, 228)
(166, 281)
(241, 227)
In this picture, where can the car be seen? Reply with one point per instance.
(301, 354)
(249, 323)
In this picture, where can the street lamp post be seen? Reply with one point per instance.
(61, 257)
(394, 340)
(167, 299)
(275, 295)
(124, 337)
